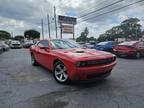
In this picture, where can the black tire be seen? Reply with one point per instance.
(138, 55)
(33, 61)
(64, 71)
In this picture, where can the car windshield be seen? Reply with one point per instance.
(64, 44)
(15, 42)
(128, 43)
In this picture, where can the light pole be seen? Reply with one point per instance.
(48, 20)
(42, 28)
(136, 33)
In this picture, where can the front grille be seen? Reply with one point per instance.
(97, 62)
(16, 44)
(96, 75)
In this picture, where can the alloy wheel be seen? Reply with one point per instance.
(32, 59)
(60, 73)
(138, 55)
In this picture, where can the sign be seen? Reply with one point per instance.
(67, 29)
(67, 20)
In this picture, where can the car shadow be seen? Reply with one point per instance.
(89, 84)
(77, 84)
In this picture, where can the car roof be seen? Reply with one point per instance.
(105, 42)
(128, 43)
(54, 39)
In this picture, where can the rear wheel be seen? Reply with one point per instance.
(61, 73)
(33, 60)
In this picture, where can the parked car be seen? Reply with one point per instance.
(4, 46)
(105, 46)
(89, 45)
(28, 43)
(15, 44)
(1, 49)
(132, 48)
(69, 62)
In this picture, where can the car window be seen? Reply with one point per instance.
(43, 43)
(102, 43)
(63, 44)
(15, 42)
(128, 43)
(112, 43)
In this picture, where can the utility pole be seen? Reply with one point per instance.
(42, 28)
(48, 25)
(73, 32)
(55, 20)
(61, 30)
(12, 34)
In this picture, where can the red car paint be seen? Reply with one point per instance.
(129, 49)
(70, 57)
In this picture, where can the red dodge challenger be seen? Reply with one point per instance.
(69, 62)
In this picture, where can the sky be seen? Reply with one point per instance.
(16, 16)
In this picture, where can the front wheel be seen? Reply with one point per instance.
(61, 73)
(33, 60)
(138, 55)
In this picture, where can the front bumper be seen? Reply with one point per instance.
(90, 73)
(15, 47)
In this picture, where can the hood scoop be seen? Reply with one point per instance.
(80, 51)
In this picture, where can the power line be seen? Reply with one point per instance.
(112, 10)
(86, 10)
(101, 8)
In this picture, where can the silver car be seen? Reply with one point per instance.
(15, 44)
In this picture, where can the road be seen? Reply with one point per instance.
(25, 86)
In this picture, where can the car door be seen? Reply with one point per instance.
(43, 52)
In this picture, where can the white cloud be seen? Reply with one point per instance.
(19, 15)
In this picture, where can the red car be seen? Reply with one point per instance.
(132, 48)
(69, 62)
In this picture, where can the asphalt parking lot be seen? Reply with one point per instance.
(25, 86)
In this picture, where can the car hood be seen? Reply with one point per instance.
(83, 53)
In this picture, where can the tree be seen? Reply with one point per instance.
(91, 39)
(19, 38)
(4, 35)
(102, 37)
(32, 34)
(83, 36)
(129, 28)
(132, 28)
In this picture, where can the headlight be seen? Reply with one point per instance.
(114, 57)
(78, 64)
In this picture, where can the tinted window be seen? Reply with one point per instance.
(102, 43)
(112, 43)
(43, 43)
(63, 44)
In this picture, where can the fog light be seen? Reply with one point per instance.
(81, 64)
(78, 64)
